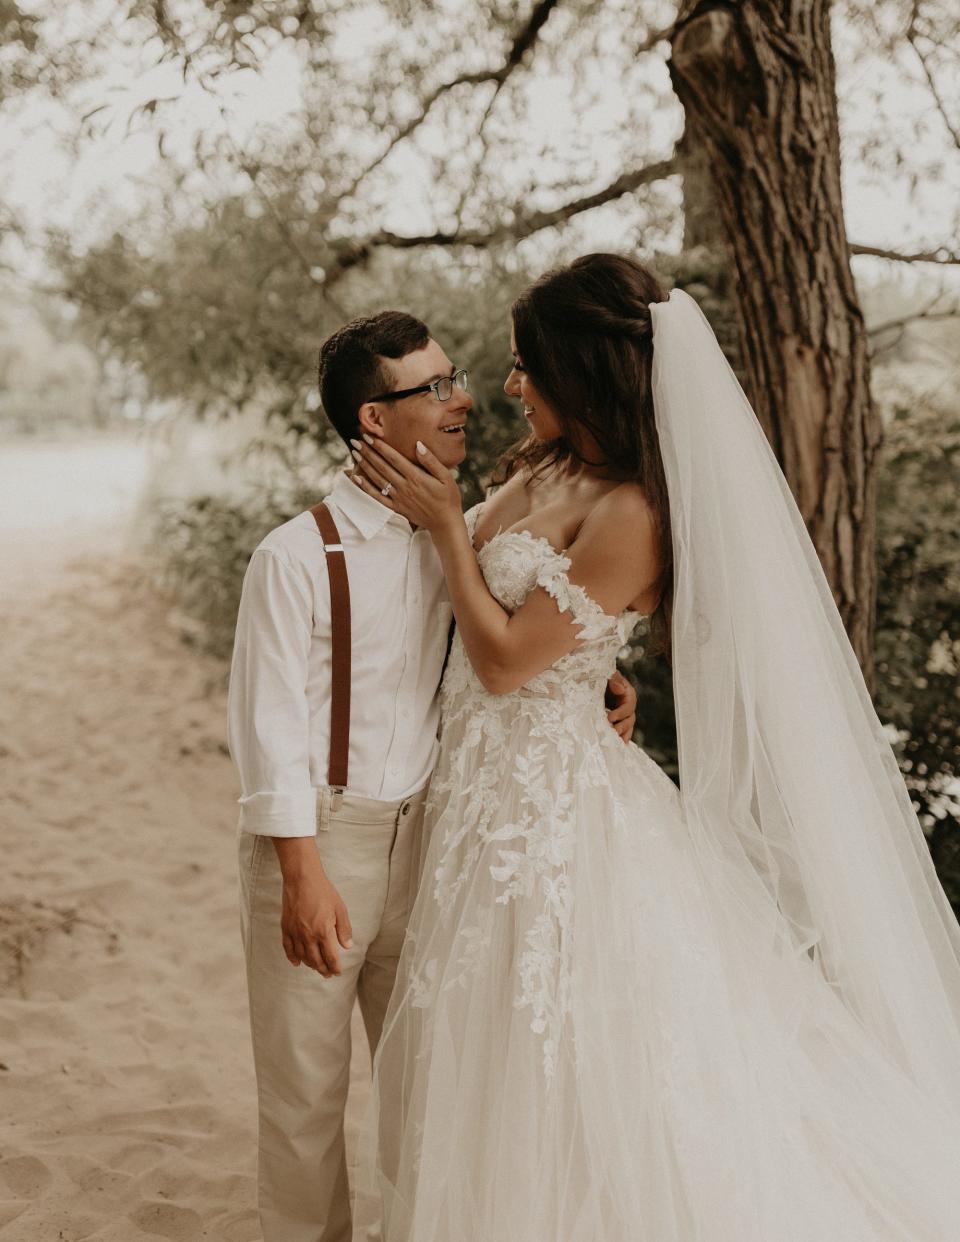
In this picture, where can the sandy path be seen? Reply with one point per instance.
(128, 1102)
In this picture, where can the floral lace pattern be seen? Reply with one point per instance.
(522, 831)
(513, 564)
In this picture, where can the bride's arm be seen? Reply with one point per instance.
(613, 559)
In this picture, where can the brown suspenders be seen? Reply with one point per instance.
(340, 649)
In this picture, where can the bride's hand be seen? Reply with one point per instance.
(426, 494)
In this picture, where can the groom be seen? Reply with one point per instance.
(327, 878)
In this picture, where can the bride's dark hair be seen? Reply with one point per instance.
(585, 338)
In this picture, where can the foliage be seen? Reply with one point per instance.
(49, 377)
(460, 122)
(918, 618)
(219, 319)
(19, 39)
(205, 544)
(205, 313)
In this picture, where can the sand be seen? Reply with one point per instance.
(127, 1100)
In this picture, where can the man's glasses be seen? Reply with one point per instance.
(441, 388)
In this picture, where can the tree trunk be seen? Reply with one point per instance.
(701, 224)
(756, 79)
(705, 266)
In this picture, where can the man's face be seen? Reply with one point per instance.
(439, 424)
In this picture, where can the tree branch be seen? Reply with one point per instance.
(650, 41)
(913, 34)
(515, 227)
(905, 320)
(525, 38)
(282, 225)
(940, 255)
(470, 187)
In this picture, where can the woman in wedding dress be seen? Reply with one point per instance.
(628, 1013)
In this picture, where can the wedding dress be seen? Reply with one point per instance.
(619, 1017)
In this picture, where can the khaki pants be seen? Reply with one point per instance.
(300, 1022)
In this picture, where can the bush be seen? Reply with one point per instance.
(918, 619)
(204, 546)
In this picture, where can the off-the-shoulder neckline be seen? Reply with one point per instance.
(543, 541)
(500, 532)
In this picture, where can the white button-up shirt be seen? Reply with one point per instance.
(279, 700)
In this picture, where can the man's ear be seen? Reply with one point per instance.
(370, 417)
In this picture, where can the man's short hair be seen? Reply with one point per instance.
(351, 368)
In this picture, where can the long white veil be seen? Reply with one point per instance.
(785, 773)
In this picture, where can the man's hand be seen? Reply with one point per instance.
(621, 699)
(314, 922)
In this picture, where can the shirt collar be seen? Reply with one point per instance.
(369, 516)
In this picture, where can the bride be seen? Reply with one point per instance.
(628, 1013)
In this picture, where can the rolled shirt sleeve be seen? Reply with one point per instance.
(267, 709)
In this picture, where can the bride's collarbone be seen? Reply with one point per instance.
(558, 529)
(513, 508)
(557, 518)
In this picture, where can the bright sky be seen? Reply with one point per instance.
(88, 195)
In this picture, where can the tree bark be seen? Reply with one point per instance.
(756, 79)
(705, 267)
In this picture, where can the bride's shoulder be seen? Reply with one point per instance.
(620, 514)
(615, 555)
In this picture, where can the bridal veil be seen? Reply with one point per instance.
(785, 772)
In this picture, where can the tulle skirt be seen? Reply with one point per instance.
(602, 1032)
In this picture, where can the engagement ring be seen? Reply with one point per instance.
(385, 491)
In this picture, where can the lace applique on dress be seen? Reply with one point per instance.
(527, 749)
(586, 612)
(470, 517)
(512, 576)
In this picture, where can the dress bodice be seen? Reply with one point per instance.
(514, 563)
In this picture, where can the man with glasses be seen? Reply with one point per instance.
(327, 878)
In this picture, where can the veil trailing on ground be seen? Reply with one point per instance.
(786, 775)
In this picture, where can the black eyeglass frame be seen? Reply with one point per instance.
(453, 380)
